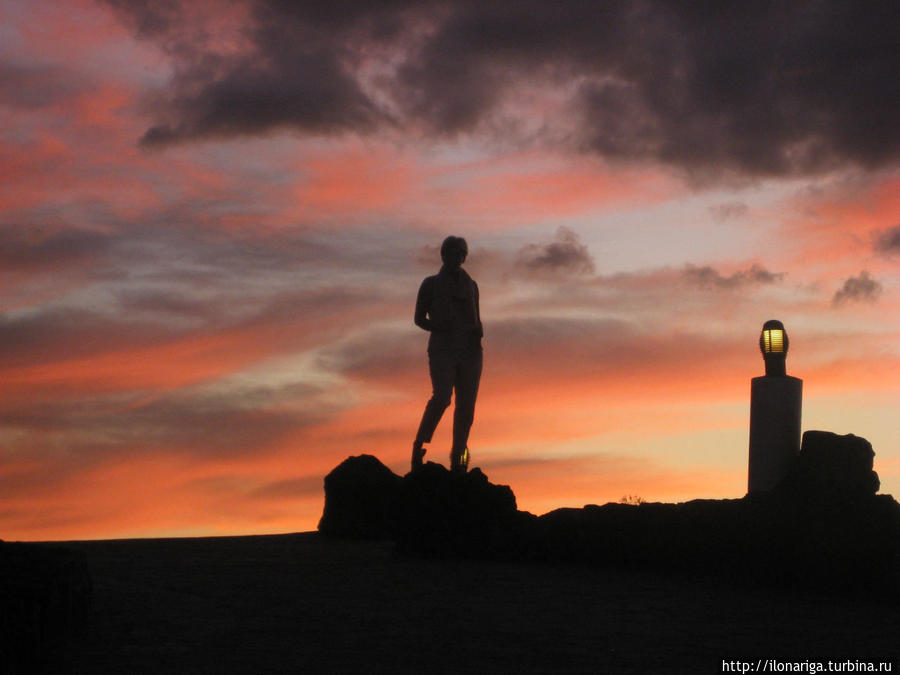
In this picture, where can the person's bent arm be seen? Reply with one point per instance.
(423, 301)
(478, 325)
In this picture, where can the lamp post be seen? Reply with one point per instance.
(775, 405)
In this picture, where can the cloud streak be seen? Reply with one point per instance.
(709, 278)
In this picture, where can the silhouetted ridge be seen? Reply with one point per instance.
(822, 527)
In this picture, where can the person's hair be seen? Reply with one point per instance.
(452, 242)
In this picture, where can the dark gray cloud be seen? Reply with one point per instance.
(32, 247)
(295, 76)
(62, 333)
(861, 288)
(563, 257)
(151, 18)
(710, 278)
(755, 88)
(316, 98)
(765, 89)
(889, 240)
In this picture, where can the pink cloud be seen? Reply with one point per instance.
(354, 182)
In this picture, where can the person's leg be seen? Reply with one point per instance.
(468, 376)
(440, 367)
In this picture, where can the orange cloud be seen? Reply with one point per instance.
(353, 182)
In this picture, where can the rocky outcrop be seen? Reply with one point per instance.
(822, 527)
(360, 500)
(429, 512)
(442, 513)
(831, 468)
(45, 599)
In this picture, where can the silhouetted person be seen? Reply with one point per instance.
(447, 306)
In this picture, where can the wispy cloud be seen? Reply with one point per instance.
(564, 256)
(708, 277)
(861, 288)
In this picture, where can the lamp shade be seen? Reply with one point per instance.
(773, 339)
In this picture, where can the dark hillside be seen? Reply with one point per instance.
(304, 604)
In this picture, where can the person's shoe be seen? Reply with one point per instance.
(418, 455)
(459, 460)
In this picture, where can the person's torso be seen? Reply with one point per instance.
(454, 309)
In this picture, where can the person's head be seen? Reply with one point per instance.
(454, 251)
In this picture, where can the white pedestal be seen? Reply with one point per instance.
(775, 406)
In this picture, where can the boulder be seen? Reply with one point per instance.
(448, 514)
(360, 499)
(831, 467)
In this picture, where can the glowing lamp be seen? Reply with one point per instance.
(773, 343)
(775, 407)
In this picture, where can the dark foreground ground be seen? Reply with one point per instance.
(304, 604)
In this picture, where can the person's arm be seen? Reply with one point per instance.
(478, 311)
(423, 303)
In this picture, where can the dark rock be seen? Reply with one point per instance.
(360, 500)
(45, 599)
(831, 467)
(448, 514)
(825, 525)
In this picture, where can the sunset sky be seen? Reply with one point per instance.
(215, 217)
